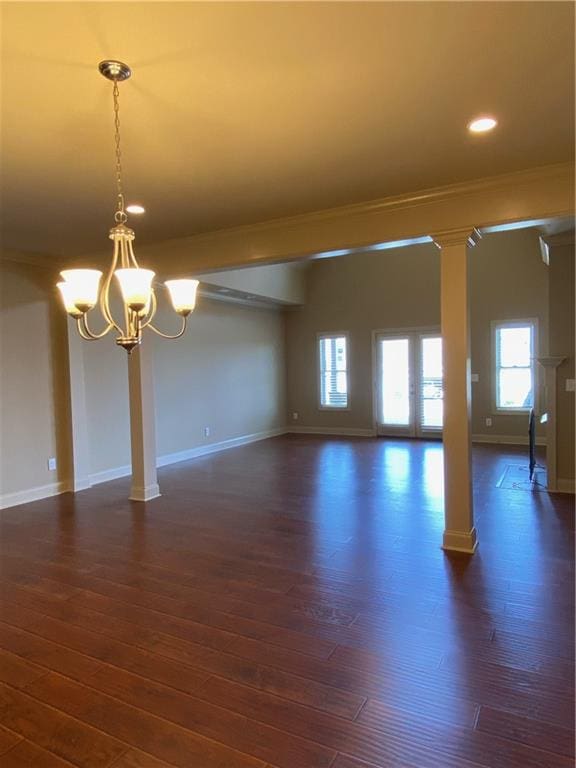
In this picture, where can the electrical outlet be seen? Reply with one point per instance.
(295, 416)
(488, 422)
(206, 431)
(52, 464)
(570, 385)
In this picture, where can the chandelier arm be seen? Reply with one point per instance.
(83, 329)
(166, 335)
(145, 322)
(131, 256)
(104, 294)
(91, 333)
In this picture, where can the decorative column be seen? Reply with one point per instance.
(561, 433)
(550, 365)
(78, 417)
(142, 423)
(459, 531)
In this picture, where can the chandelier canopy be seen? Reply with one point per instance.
(80, 288)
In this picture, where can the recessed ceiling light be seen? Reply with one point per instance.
(135, 209)
(482, 124)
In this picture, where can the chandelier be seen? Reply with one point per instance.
(81, 289)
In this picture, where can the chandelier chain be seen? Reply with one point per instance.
(120, 215)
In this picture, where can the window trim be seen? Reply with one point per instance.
(495, 326)
(332, 335)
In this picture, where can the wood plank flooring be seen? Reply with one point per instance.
(287, 605)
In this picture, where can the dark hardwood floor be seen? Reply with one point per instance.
(287, 605)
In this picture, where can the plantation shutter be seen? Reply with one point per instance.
(333, 372)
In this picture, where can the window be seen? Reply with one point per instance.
(333, 371)
(514, 346)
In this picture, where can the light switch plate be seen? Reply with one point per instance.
(474, 378)
(570, 385)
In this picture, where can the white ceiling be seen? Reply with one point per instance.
(241, 112)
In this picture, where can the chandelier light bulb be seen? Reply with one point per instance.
(135, 208)
(66, 290)
(182, 295)
(81, 287)
(136, 287)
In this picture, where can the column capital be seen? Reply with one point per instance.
(560, 239)
(551, 362)
(468, 236)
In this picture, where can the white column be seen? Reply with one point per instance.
(78, 416)
(550, 365)
(459, 532)
(142, 423)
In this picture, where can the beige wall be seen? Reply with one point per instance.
(34, 422)
(562, 320)
(400, 289)
(509, 281)
(357, 294)
(227, 373)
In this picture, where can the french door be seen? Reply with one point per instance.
(409, 388)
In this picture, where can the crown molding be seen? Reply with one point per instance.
(541, 193)
(45, 261)
(397, 202)
(533, 194)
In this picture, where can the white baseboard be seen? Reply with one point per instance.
(190, 453)
(224, 445)
(33, 494)
(506, 439)
(356, 432)
(565, 485)
(109, 474)
(335, 431)
(54, 489)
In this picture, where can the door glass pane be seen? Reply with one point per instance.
(432, 391)
(395, 382)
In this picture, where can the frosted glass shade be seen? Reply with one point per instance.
(81, 288)
(68, 299)
(136, 287)
(182, 295)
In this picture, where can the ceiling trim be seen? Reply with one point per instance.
(537, 193)
(401, 202)
(44, 260)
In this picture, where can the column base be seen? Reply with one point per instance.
(147, 493)
(460, 541)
